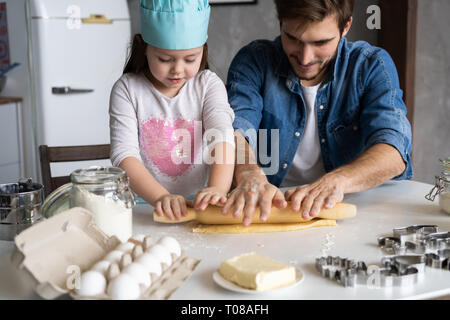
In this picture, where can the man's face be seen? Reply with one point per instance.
(311, 48)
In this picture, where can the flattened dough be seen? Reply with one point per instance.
(261, 228)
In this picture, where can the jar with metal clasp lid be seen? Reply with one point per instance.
(442, 187)
(104, 192)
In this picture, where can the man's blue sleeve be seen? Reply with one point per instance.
(383, 118)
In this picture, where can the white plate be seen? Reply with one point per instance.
(233, 287)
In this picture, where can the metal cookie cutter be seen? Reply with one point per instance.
(396, 272)
(439, 260)
(403, 262)
(390, 244)
(393, 246)
(413, 233)
(426, 241)
(342, 270)
(438, 241)
(413, 239)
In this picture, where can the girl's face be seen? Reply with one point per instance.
(170, 69)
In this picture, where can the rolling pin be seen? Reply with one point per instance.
(213, 215)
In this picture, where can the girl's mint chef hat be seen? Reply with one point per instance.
(175, 24)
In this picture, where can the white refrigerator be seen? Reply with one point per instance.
(77, 51)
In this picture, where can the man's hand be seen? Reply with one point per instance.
(324, 193)
(252, 191)
(211, 195)
(172, 206)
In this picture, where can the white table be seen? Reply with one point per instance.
(395, 204)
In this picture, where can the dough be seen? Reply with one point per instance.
(213, 215)
(261, 228)
(257, 272)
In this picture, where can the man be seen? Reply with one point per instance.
(335, 107)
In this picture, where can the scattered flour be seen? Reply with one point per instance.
(189, 240)
(328, 245)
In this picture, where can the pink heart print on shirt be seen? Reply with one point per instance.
(162, 150)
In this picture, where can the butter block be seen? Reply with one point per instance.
(257, 272)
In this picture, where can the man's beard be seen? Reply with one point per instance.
(323, 69)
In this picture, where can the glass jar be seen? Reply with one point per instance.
(442, 187)
(104, 192)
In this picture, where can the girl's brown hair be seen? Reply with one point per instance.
(137, 61)
(316, 10)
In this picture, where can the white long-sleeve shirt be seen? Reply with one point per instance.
(169, 135)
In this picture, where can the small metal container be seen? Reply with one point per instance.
(20, 205)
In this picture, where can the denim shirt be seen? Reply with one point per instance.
(358, 105)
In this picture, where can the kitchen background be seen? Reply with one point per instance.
(231, 27)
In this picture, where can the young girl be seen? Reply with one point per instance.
(169, 114)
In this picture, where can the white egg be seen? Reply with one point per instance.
(114, 256)
(124, 287)
(138, 237)
(101, 266)
(126, 247)
(139, 273)
(151, 263)
(92, 283)
(171, 244)
(162, 253)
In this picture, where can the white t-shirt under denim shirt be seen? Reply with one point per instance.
(168, 134)
(307, 166)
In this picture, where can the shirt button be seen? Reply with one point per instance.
(285, 166)
(321, 107)
(355, 128)
(323, 140)
(297, 134)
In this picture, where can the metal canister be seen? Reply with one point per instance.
(20, 205)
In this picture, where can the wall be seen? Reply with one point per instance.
(432, 110)
(233, 26)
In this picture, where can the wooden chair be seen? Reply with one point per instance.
(67, 154)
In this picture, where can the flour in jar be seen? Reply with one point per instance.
(111, 216)
(444, 201)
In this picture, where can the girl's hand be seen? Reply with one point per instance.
(172, 206)
(211, 195)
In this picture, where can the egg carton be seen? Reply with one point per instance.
(57, 253)
(162, 283)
